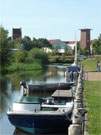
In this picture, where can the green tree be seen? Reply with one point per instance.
(97, 45)
(84, 51)
(43, 43)
(20, 56)
(40, 43)
(11, 43)
(39, 55)
(5, 51)
(34, 43)
(26, 43)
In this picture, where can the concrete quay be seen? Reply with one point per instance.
(78, 126)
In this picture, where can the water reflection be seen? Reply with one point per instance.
(16, 77)
(19, 132)
(5, 94)
(10, 91)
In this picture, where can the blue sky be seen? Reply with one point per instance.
(52, 19)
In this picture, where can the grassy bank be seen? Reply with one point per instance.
(90, 63)
(93, 101)
(92, 95)
(24, 66)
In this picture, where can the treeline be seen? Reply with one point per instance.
(28, 54)
(17, 54)
(27, 43)
(96, 46)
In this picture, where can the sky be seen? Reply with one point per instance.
(51, 19)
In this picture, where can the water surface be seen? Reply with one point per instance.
(10, 91)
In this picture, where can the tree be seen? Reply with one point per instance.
(5, 51)
(17, 43)
(40, 43)
(43, 43)
(26, 43)
(34, 43)
(39, 55)
(20, 56)
(97, 45)
(11, 42)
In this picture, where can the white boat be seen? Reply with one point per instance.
(46, 115)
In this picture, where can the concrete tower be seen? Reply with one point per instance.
(85, 39)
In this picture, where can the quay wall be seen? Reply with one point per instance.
(79, 114)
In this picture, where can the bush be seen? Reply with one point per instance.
(38, 55)
(20, 56)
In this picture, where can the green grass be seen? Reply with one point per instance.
(90, 64)
(92, 95)
(93, 100)
(24, 67)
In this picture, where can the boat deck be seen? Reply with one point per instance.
(62, 93)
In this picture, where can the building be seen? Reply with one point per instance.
(47, 50)
(59, 46)
(16, 33)
(71, 44)
(85, 40)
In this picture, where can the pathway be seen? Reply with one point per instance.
(93, 76)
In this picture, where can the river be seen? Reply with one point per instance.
(10, 91)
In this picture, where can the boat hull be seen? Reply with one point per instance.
(40, 124)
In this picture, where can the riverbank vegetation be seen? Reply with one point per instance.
(27, 54)
(5, 53)
(93, 101)
(24, 67)
(21, 54)
(28, 60)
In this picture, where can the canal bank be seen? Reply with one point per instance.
(78, 115)
(93, 104)
(92, 96)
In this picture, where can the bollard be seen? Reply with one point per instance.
(78, 105)
(75, 129)
(77, 117)
(79, 96)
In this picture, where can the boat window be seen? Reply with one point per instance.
(48, 109)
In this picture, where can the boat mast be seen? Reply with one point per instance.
(75, 50)
(75, 56)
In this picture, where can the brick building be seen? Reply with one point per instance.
(85, 40)
(16, 33)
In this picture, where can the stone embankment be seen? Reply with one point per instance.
(79, 113)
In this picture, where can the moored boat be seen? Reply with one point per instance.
(46, 115)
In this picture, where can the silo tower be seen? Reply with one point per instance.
(85, 40)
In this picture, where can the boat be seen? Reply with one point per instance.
(44, 115)
(45, 87)
(73, 70)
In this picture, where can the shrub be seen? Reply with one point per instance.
(20, 56)
(39, 55)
